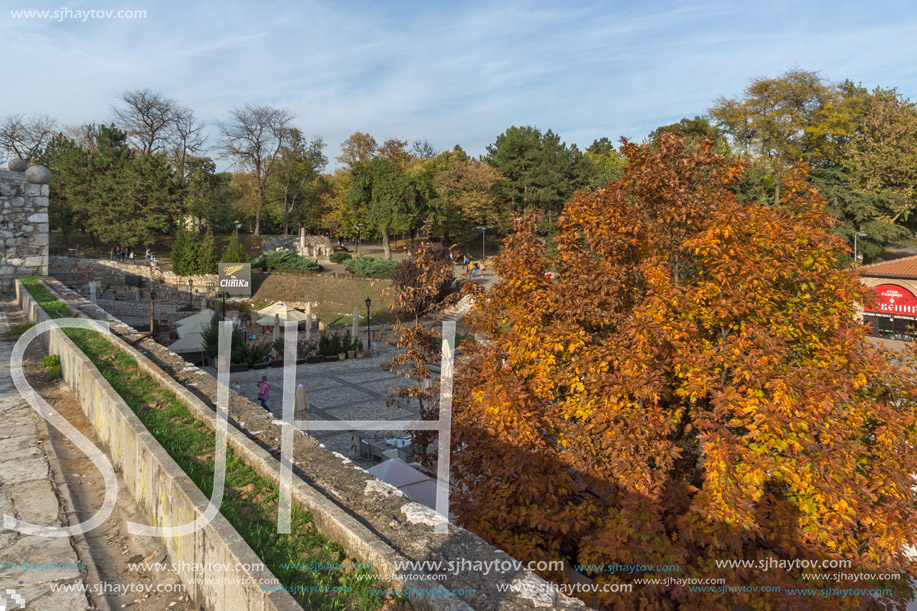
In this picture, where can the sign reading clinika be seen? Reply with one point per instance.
(236, 279)
(893, 299)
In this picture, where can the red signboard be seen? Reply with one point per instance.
(893, 300)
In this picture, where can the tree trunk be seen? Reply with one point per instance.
(257, 222)
(286, 213)
(386, 248)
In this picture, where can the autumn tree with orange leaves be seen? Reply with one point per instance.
(690, 387)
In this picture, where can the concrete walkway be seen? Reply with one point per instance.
(29, 565)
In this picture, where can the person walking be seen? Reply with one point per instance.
(237, 385)
(149, 255)
(264, 392)
(132, 257)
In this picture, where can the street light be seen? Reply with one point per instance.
(152, 311)
(191, 293)
(238, 224)
(856, 256)
(368, 326)
(359, 237)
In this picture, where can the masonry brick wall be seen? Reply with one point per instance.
(23, 224)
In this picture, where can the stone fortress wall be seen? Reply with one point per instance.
(23, 222)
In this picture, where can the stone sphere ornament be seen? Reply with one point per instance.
(18, 165)
(38, 175)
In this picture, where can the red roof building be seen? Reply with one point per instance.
(894, 313)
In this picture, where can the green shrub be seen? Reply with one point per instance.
(372, 267)
(285, 259)
(211, 335)
(339, 256)
(52, 362)
(303, 348)
(257, 352)
(329, 344)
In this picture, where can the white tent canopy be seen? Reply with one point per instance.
(414, 484)
(282, 310)
(203, 317)
(193, 342)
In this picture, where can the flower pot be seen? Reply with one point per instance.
(368, 353)
(342, 356)
(351, 354)
(359, 355)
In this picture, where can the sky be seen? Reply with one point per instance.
(450, 72)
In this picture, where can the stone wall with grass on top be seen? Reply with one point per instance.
(23, 222)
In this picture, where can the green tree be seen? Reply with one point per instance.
(186, 253)
(541, 171)
(297, 182)
(798, 116)
(234, 252)
(207, 259)
(378, 191)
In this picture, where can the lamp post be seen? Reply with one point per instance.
(152, 312)
(359, 237)
(238, 224)
(191, 293)
(856, 255)
(368, 326)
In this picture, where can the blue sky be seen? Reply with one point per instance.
(454, 73)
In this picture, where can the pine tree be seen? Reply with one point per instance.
(234, 252)
(207, 256)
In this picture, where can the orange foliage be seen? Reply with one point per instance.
(690, 386)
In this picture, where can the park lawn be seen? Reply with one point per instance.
(336, 297)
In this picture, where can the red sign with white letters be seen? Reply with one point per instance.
(893, 300)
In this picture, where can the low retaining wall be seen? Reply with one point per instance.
(164, 492)
(372, 520)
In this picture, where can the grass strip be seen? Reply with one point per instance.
(249, 501)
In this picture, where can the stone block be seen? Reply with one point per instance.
(34, 261)
(38, 202)
(38, 174)
(30, 190)
(45, 190)
(38, 217)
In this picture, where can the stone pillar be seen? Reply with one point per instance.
(23, 222)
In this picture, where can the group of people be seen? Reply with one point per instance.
(475, 268)
(122, 253)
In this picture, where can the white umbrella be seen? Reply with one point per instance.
(414, 484)
(285, 311)
(288, 314)
(193, 342)
(355, 329)
(301, 407)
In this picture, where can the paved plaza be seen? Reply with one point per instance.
(355, 389)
